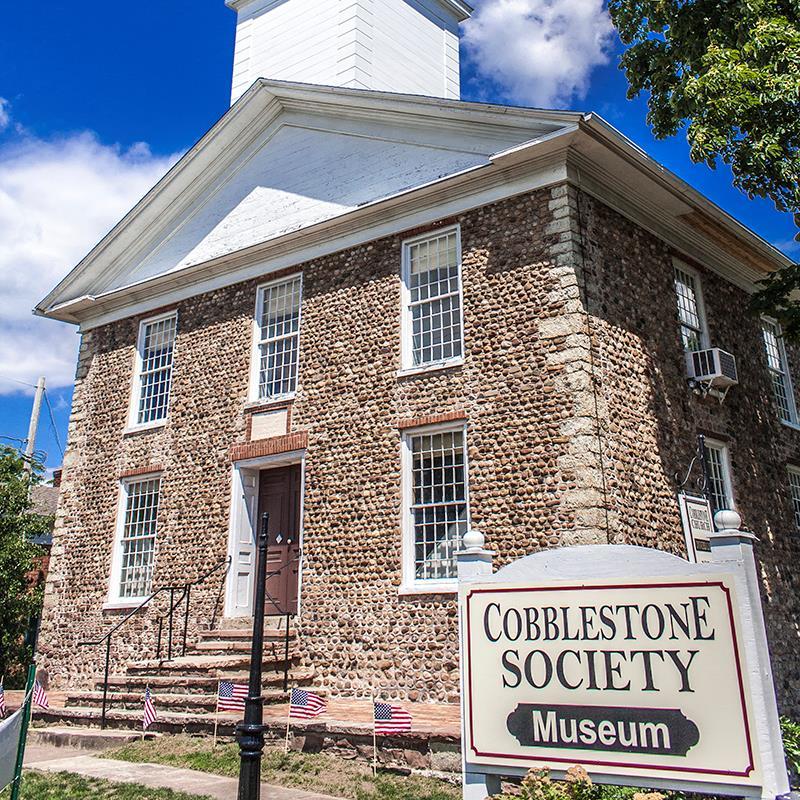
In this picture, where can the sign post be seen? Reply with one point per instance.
(645, 669)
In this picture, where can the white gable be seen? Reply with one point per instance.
(299, 177)
(287, 157)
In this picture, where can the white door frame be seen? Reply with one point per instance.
(241, 470)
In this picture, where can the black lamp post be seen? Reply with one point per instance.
(250, 732)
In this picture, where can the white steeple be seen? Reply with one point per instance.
(407, 46)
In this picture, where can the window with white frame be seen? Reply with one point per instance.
(794, 490)
(432, 323)
(779, 371)
(137, 529)
(720, 488)
(278, 349)
(153, 370)
(691, 316)
(437, 503)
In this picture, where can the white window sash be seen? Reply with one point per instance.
(701, 329)
(260, 342)
(140, 373)
(408, 305)
(780, 372)
(410, 582)
(794, 493)
(115, 581)
(725, 472)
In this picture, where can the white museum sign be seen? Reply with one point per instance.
(645, 669)
(633, 677)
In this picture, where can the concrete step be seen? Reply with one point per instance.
(91, 739)
(122, 719)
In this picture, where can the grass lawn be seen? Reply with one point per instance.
(63, 785)
(313, 772)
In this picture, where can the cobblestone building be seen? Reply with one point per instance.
(515, 364)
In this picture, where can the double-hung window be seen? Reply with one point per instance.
(436, 504)
(779, 371)
(277, 339)
(153, 376)
(432, 320)
(720, 487)
(794, 490)
(691, 315)
(136, 539)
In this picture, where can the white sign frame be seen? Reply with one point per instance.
(732, 557)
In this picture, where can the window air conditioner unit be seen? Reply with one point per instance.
(713, 367)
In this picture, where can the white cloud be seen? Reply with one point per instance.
(58, 197)
(539, 52)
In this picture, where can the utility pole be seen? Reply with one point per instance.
(30, 442)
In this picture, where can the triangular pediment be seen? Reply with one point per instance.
(289, 156)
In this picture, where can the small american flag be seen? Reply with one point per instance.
(391, 719)
(306, 705)
(40, 696)
(2, 702)
(149, 710)
(231, 696)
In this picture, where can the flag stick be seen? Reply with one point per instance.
(288, 723)
(216, 718)
(374, 742)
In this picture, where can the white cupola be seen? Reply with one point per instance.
(406, 46)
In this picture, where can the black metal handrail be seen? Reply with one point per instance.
(185, 593)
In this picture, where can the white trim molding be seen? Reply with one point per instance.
(242, 520)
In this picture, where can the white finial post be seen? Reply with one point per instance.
(732, 549)
(474, 560)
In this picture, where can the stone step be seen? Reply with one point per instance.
(183, 703)
(209, 665)
(246, 635)
(201, 684)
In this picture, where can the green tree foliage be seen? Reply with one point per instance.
(728, 71)
(19, 601)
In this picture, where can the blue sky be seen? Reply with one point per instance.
(96, 100)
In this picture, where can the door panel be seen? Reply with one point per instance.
(244, 555)
(279, 495)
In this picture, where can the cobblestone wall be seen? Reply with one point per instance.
(576, 426)
(649, 433)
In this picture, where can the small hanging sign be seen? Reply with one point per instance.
(698, 527)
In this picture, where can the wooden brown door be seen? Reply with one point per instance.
(279, 496)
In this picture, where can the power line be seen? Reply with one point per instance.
(53, 424)
(16, 380)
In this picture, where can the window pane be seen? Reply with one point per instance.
(280, 338)
(155, 379)
(435, 303)
(691, 325)
(776, 363)
(139, 537)
(439, 507)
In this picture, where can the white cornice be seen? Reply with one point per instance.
(460, 10)
(588, 152)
